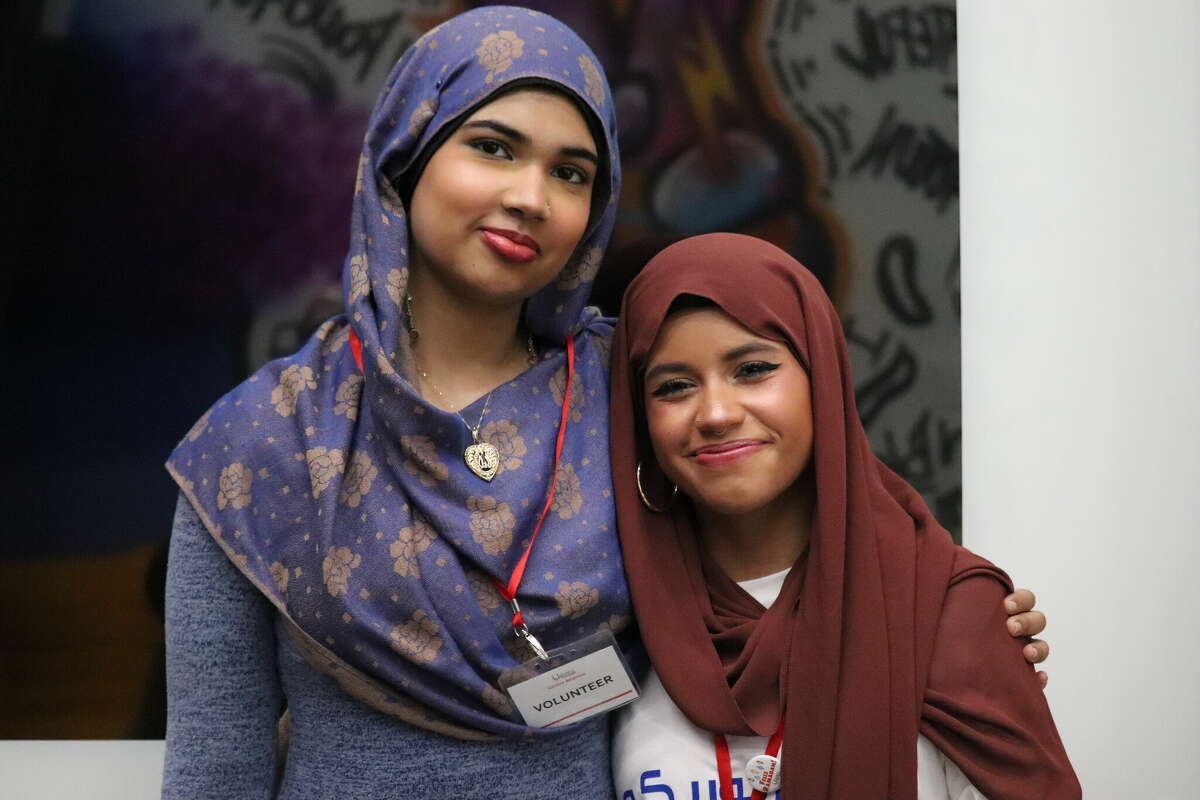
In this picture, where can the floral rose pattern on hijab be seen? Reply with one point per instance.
(342, 495)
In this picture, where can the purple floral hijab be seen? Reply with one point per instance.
(342, 495)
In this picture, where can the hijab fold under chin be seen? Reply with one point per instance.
(342, 495)
(865, 638)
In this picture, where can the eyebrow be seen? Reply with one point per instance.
(522, 139)
(738, 352)
(581, 152)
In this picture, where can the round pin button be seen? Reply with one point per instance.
(763, 773)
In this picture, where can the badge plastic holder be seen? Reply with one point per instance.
(572, 683)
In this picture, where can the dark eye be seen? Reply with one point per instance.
(491, 147)
(671, 388)
(571, 174)
(756, 369)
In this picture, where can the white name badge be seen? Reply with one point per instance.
(578, 681)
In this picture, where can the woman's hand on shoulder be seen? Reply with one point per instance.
(1024, 621)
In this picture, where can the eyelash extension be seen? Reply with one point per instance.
(584, 177)
(756, 369)
(670, 387)
(479, 145)
(751, 370)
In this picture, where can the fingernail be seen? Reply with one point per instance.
(1014, 625)
(1030, 651)
(1011, 605)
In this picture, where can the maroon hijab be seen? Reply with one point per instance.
(883, 628)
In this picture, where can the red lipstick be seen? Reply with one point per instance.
(725, 453)
(511, 245)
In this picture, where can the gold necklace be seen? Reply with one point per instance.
(482, 458)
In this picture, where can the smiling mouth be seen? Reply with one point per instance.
(511, 245)
(719, 455)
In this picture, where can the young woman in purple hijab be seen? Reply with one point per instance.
(352, 516)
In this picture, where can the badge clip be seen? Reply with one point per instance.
(523, 633)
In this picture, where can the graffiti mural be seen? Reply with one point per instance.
(825, 126)
(873, 87)
(830, 128)
(204, 153)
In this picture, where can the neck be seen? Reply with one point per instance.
(465, 349)
(763, 541)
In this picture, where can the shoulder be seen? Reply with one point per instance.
(968, 565)
(279, 384)
(279, 402)
(261, 439)
(972, 637)
(983, 706)
(974, 601)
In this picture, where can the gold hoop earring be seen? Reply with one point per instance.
(646, 501)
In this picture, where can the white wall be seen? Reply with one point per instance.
(1080, 147)
(117, 770)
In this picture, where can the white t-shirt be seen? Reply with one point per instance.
(659, 754)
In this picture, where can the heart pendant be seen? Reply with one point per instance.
(483, 458)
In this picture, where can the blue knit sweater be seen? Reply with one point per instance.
(229, 677)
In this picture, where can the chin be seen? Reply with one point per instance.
(503, 284)
(496, 290)
(729, 503)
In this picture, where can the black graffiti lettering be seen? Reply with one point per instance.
(259, 6)
(926, 460)
(868, 40)
(817, 127)
(915, 462)
(875, 347)
(896, 275)
(794, 21)
(890, 383)
(947, 508)
(924, 453)
(327, 21)
(801, 10)
(919, 159)
(949, 440)
(303, 13)
(371, 39)
(406, 41)
(800, 70)
(780, 11)
(837, 117)
(926, 37)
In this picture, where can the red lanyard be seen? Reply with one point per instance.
(356, 349)
(725, 766)
(509, 591)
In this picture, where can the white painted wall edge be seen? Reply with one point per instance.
(96, 770)
(1080, 170)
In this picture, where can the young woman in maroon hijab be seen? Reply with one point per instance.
(788, 584)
